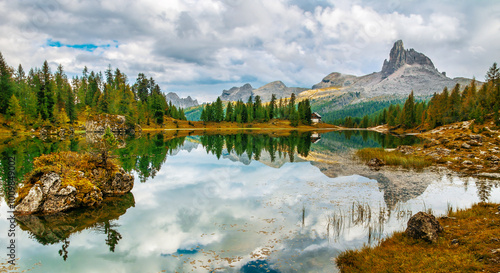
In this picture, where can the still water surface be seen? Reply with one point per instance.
(237, 203)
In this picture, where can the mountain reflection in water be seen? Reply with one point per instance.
(284, 202)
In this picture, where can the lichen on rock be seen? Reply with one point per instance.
(67, 180)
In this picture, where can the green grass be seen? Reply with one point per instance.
(394, 158)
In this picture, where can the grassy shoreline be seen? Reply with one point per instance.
(470, 243)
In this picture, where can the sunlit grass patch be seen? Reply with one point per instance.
(394, 158)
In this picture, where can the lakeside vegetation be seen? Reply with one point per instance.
(394, 158)
(45, 99)
(469, 243)
(42, 98)
(256, 110)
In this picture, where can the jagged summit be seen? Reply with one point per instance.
(181, 102)
(237, 93)
(405, 71)
(265, 92)
(399, 57)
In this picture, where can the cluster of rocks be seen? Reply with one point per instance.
(50, 196)
(47, 131)
(457, 147)
(99, 123)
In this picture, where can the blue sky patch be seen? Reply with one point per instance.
(85, 47)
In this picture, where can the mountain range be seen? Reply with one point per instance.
(404, 71)
(181, 102)
(265, 92)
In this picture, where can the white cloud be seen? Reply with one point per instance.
(202, 47)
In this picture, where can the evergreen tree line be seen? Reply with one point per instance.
(443, 108)
(41, 97)
(254, 145)
(255, 110)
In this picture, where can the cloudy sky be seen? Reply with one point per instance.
(199, 48)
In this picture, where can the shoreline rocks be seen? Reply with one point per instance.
(424, 226)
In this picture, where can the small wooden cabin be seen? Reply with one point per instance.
(315, 117)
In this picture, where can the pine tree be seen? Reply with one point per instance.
(14, 112)
(272, 107)
(493, 74)
(46, 93)
(6, 85)
(70, 105)
(229, 112)
(454, 104)
(141, 87)
(218, 110)
(248, 109)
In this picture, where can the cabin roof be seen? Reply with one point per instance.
(316, 114)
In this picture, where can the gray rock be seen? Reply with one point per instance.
(467, 163)
(423, 226)
(51, 183)
(116, 123)
(50, 197)
(465, 146)
(33, 202)
(336, 79)
(375, 163)
(120, 184)
(181, 102)
(476, 137)
(475, 142)
(493, 158)
(443, 151)
(405, 149)
(398, 57)
(237, 93)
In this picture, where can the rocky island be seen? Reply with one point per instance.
(67, 180)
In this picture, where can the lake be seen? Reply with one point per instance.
(233, 203)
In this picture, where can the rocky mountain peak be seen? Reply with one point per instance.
(237, 93)
(398, 57)
(181, 102)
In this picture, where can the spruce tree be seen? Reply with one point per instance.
(493, 74)
(218, 110)
(46, 93)
(6, 85)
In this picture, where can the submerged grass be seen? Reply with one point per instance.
(394, 158)
(470, 243)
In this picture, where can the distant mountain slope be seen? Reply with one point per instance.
(237, 93)
(194, 113)
(278, 88)
(181, 102)
(406, 70)
(265, 92)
